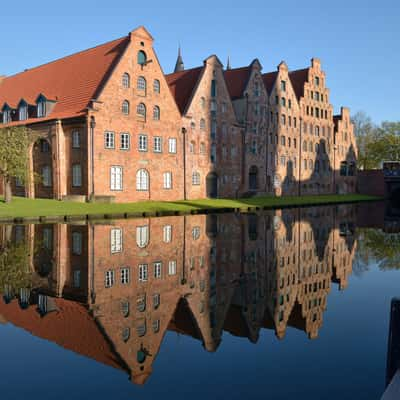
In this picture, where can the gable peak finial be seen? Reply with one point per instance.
(179, 65)
(228, 64)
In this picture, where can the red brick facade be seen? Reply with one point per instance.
(124, 131)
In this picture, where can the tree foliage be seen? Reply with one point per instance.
(376, 143)
(14, 156)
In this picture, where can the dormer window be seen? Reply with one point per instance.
(23, 111)
(41, 108)
(6, 114)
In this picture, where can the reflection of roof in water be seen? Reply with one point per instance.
(71, 327)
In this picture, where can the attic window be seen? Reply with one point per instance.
(141, 57)
(6, 115)
(41, 108)
(23, 112)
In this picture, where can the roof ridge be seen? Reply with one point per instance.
(185, 70)
(65, 57)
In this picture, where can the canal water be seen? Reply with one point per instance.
(280, 304)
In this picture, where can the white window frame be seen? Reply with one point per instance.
(126, 80)
(109, 140)
(156, 86)
(116, 178)
(125, 143)
(142, 142)
(143, 272)
(125, 275)
(142, 180)
(172, 145)
(116, 242)
(167, 180)
(167, 233)
(196, 178)
(142, 236)
(157, 144)
(172, 267)
(109, 278)
(41, 109)
(23, 112)
(157, 269)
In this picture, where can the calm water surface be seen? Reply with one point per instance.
(283, 304)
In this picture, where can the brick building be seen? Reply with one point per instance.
(109, 124)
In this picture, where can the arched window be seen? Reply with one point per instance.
(141, 83)
(142, 180)
(125, 107)
(305, 146)
(202, 124)
(203, 103)
(191, 147)
(126, 80)
(141, 110)
(156, 113)
(310, 147)
(141, 57)
(202, 148)
(316, 130)
(310, 164)
(126, 333)
(125, 308)
(195, 178)
(142, 236)
(156, 86)
(23, 111)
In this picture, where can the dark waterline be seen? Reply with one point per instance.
(282, 304)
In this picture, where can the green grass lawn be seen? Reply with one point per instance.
(22, 207)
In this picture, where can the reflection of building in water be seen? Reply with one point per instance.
(110, 292)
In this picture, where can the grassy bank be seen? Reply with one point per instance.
(22, 207)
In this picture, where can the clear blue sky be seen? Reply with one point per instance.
(358, 42)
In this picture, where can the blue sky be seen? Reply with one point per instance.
(358, 43)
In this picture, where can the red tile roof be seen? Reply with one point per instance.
(70, 327)
(236, 81)
(269, 80)
(182, 85)
(298, 79)
(72, 81)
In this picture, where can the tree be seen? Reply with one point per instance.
(14, 157)
(365, 133)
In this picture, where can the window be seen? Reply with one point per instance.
(142, 180)
(48, 238)
(116, 240)
(196, 232)
(172, 145)
(77, 243)
(283, 102)
(41, 108)
(283, 86)
(157, 144)
(126, 80)
(23, 112)
(141, 83)
(195, 178)
(141, 329)
(109, 140)
(283, 160)
(294, 122)
(156, 86)
(141, 58)
(167, 179)
(191, 147)
(172, 268)
(125, 277)
(213, 155)
(167, 233)
(202, 124)
(157, 269)
(142, 272)
(76, 139)
(77, 278)
(283, 140)
(156, 113)
(316, 130)
(125, 107)
(76, 175)
(156, 300)
(141, 302)
(141, 110)
(223, 107)
(213, 88)
(116, 178)
(142, 142)
(316, 80)
(125, 141)
(44, 146)
(109, 278)
(142, 236)
(289, 103)
(6, 116)
(46, 176)
(202, 148)
(256, 89)
(343, 168)
(283, 119)
(156, 325)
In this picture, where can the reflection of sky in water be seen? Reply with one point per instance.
(346, 361)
